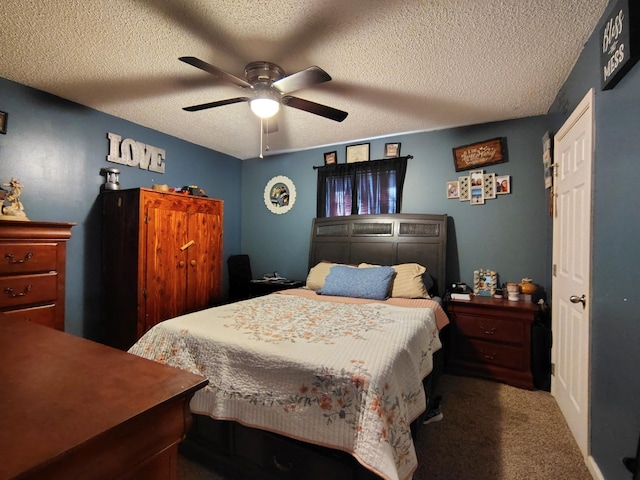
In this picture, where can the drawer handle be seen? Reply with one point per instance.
(12, 294)
(488, 331)
(283, 468)
(488, 356)
(9, 257)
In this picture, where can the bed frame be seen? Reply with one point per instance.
(246, 453)
(383, 240)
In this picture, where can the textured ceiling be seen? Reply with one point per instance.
(397, 66)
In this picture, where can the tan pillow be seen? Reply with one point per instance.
(408, 280)
(317, 275)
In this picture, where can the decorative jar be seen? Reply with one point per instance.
(527, 287)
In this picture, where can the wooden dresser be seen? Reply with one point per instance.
(162, 257)
(75, 409)
(32, 270)
(491, 338)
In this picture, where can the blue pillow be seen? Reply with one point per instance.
(373, 283)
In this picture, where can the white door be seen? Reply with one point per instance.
(573, 152)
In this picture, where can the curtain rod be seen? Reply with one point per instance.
(315, 167)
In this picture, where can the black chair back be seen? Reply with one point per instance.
(239, 267)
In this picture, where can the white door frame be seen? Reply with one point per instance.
(571, 322)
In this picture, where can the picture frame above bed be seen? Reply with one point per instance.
(391, 150)
(358, 153)
(331, 158)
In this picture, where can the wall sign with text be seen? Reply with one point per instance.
(135, 154)
(619, 37)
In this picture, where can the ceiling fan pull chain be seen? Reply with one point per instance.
(267, 145)
(261, 135)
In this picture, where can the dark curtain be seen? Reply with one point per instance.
(361, 188)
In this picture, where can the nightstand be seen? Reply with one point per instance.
(257, 288)
(491, 338)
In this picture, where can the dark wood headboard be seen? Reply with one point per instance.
(383, 240)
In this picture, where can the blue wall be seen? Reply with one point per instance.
(57, 148)
(508, 234)
(615, 309)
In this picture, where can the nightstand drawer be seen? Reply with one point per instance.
(19, 290)
(17, 258)
(491, 329)
(477, 351)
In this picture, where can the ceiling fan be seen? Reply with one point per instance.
(268, 87)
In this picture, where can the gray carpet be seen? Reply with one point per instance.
(490, 431)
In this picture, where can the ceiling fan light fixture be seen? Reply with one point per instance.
(265, 107)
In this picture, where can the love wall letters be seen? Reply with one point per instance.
(131, 153)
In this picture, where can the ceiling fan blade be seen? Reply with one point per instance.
(302, 79)
(315, 108)
(215, 71)
(269, 125)
(219, 103)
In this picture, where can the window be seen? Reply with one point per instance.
(361, 188)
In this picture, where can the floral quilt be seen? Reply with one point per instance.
(343, 375)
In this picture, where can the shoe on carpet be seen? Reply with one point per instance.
(434, 414)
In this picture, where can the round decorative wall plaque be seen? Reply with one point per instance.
(279, 194)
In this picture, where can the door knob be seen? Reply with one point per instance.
(193, 263)
(577, 299)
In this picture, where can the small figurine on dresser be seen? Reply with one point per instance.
(14, 210)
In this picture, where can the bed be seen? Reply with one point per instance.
(320, 382)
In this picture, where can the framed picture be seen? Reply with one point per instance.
(391, 150)
(3, 122)
(484, 282)
(503, 184)
(476, 187)
(453, 189)
(279, 194)
(358, 153)
(480, 154)
(331, 158)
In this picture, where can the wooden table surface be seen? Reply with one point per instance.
(70, 401)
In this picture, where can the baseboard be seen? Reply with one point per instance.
(594, 469)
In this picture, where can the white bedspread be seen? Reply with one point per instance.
(347, 376)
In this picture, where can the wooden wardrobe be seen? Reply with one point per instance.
(162, 257)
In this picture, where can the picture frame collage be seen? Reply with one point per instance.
(477, 186)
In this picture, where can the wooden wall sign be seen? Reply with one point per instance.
(480, 154)
(135, 154)
(619, 36)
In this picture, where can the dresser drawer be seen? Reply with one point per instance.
(478, 351)
(19, 290)
(16, 258)
(43, 315)
(491, 329)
